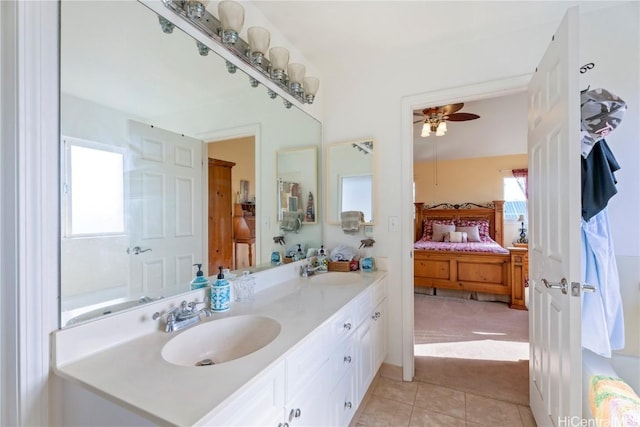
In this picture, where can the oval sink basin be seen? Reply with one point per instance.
(335, 278)
(220, 341)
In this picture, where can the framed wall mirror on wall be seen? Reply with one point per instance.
(350, 179)
(297, 174)
(150, 102)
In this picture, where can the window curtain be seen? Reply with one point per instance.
(521, 176)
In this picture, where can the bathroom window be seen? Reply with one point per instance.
(515, 200)
(94, 189)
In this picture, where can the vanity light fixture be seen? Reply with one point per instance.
(166, 25)
(225, 32)
(296, 76)
(259, 39)
(232, 19)
(310, 85)
(279, 57)
(196, 9)
(202, 48)
(365, 146)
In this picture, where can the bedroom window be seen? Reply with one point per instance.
(93, 186)
(515, 201)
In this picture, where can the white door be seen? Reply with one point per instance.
(555, 364)
(165, 209)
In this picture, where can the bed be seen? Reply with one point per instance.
(484, 270)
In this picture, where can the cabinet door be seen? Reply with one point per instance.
(365, 358)
(379, 318)
(259, 405)
(342, 400)
(308, 408)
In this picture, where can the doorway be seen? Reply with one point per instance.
(409, 104)
(237, 191)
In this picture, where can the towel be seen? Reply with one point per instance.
(613, 402)
(351, 221)
(343, 253)
(291, 221)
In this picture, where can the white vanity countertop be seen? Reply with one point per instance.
(134, 374)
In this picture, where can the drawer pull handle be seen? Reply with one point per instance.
(347, 326)
(347, 405)
(347, 359)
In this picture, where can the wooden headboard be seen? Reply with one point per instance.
(493, 212)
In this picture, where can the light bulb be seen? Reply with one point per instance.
(425, 130)
(311, 85)
(232, 19)
(259, 39)
(279, 57)
(296, 76)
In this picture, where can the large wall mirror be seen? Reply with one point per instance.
(141, 113)
(350, 179)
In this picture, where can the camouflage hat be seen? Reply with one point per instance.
(600, 113)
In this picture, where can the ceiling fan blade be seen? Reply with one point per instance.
(451, 108)
(461, 117)
(418, 121)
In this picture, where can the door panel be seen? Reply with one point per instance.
(164, 208)
(554, 217)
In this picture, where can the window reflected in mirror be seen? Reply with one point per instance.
(350, 179)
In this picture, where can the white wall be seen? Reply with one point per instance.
(616, 55)
(364, 100)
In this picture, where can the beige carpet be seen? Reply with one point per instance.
(473, 346)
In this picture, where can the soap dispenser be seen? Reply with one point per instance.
(299, 254)
(220, 293)
(276, 254)
(200, 281)
(368, 261)
(323, 262)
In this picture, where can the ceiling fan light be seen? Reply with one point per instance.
(440, 132)
(425, 130)
(442, 126)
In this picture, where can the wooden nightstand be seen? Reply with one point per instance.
(519, 274)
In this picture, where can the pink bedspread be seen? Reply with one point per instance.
(488, 246)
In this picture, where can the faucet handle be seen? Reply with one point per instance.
(193, 304)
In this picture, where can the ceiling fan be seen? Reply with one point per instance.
(435, 118)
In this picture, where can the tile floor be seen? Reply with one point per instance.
(392, 402)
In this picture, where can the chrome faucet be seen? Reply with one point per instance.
(306, 270)
(183, 316)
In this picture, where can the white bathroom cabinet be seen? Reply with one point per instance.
(333, 348)
(325, 376)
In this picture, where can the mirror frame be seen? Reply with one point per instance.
(329, 189)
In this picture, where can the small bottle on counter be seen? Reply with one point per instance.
(368, 261)
(276, 254)
(299, 254)
(200, 281)
(323, 261)
(220, 293)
